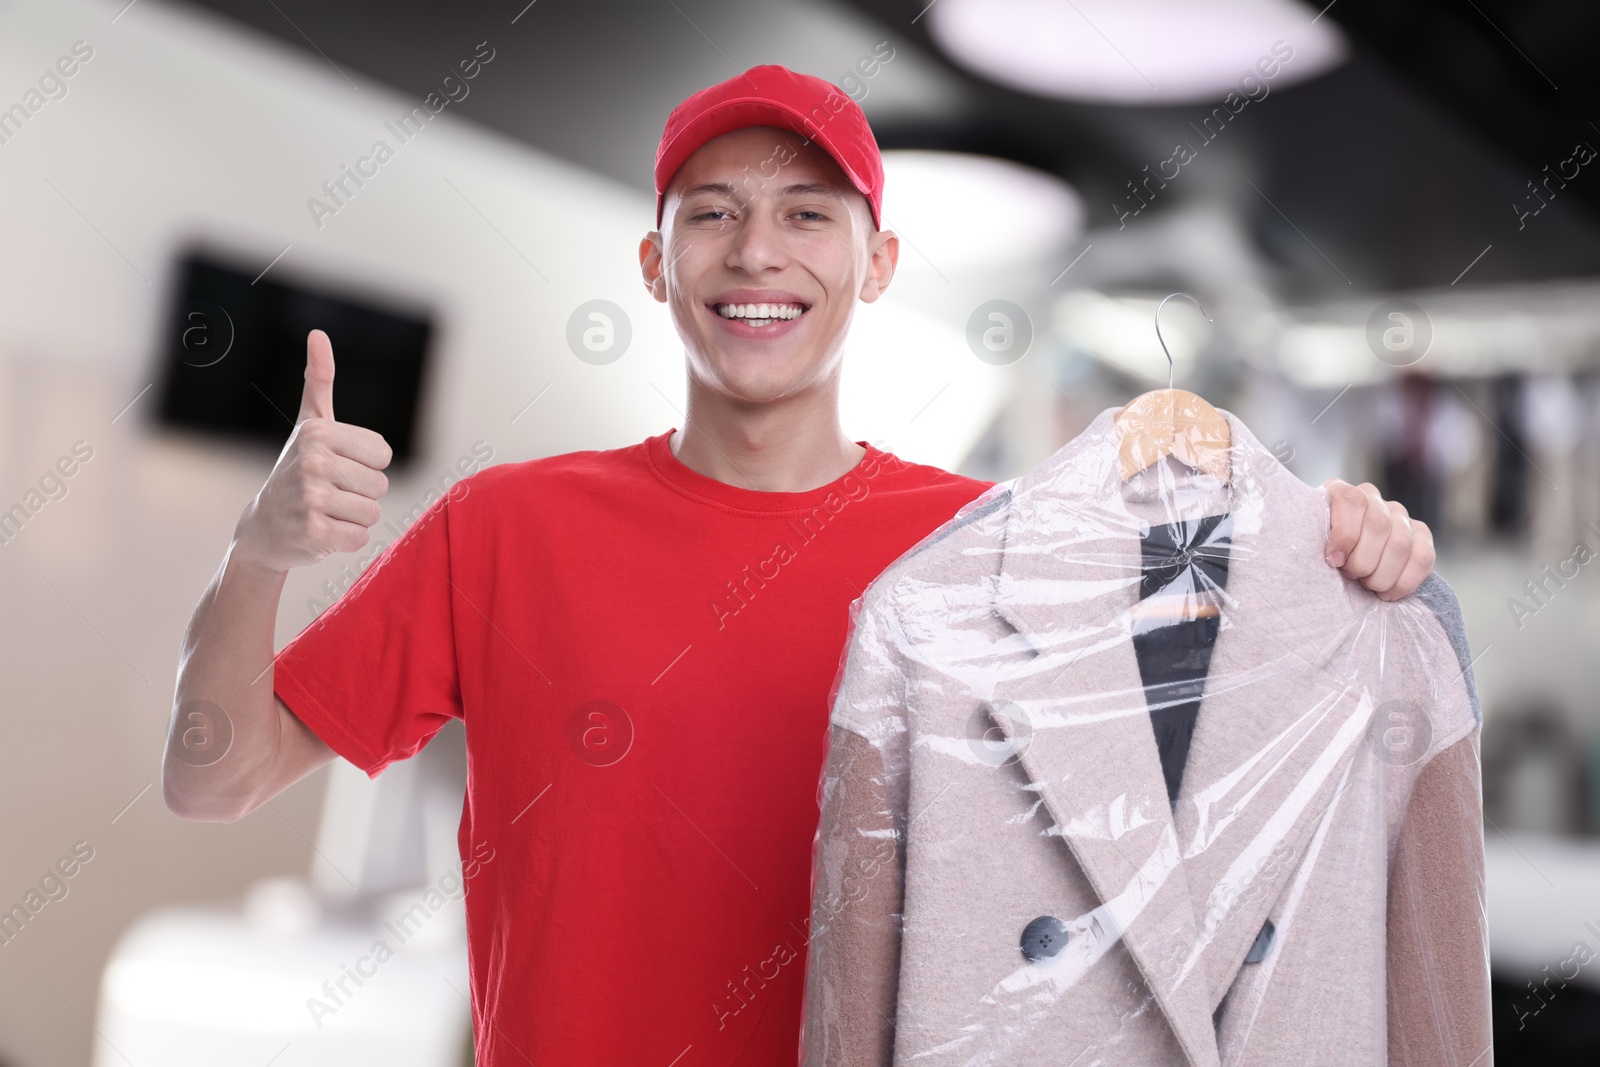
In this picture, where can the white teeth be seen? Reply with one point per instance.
(760, 314)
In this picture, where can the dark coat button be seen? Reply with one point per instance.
(1043, 938)
(1263, 945)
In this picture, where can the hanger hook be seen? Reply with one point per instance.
(1172, 370)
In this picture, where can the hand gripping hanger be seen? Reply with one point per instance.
(1173, 422)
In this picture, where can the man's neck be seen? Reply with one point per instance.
(788, 446)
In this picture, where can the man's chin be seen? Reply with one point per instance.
(759, 393)
(744, 387)
(750, 374)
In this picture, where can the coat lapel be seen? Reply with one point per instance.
(1277, 730)
(1185, 891)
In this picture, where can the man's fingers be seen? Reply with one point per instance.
(1377, 527)
(343, 536)
(1418, 566)
(365, 446)
(353, 507)
(1347, 508)
(316, 400)
(1413, 549)
(342, 472)
(1395, 552)
(1375, 541)
(1359, 527)
(352, 442)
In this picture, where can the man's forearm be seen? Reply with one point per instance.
(225, 730)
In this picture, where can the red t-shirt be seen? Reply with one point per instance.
(642, 658)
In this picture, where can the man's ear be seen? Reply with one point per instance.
(650, 265)
(883, 252)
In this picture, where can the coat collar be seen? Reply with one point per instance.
(1186, 891)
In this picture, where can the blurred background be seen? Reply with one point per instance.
(1390, 212)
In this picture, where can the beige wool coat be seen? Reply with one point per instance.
(1315, 894)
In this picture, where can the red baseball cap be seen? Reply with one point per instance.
(771, 95)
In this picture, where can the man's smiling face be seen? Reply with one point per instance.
(763, 251)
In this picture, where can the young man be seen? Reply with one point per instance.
(640, 641)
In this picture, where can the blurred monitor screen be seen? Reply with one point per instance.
(233, 355)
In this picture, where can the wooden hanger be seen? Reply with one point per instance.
(1173, 422)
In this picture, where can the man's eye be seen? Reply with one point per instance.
(713, 215)
(810, 216)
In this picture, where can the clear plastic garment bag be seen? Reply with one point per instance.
(1121, 772)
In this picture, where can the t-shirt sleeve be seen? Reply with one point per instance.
(376, 676)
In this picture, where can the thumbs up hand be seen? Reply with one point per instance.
(322, 495)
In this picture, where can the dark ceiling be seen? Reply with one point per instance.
(1401, 166)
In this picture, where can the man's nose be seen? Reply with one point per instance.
(758, 243)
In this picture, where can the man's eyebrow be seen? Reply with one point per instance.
(798, 189)
(802, 189)
(716, 188)
(812, 189)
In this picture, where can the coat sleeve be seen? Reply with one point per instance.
(1438, 925)
(858, 863)
(1438, 929)
(855, 922)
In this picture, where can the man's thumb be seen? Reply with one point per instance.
(316, 402)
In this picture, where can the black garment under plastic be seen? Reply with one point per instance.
(1174, 657)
